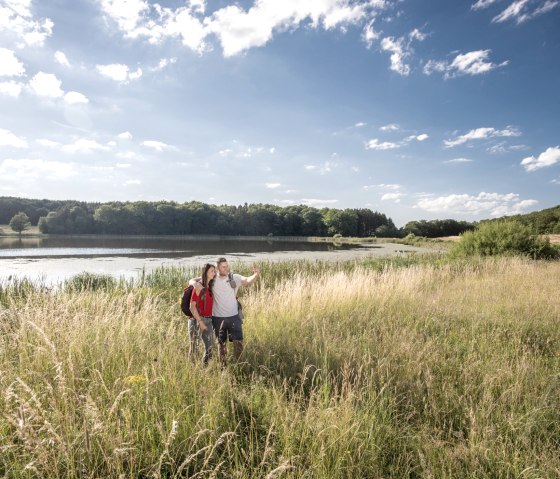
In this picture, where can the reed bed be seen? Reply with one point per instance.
(395, 369)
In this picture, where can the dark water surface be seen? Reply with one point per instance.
(148, 247)
(53, 259)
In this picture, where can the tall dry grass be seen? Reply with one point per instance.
(350, 370)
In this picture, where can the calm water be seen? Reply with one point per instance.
(56, 259)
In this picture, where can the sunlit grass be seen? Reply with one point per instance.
(415, 367)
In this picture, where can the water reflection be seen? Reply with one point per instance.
(148, 247)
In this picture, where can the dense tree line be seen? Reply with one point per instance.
(34, 209)
(437, 228)
(164, 217)
(143, 218)
(541, 222)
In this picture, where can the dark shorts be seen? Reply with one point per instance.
(228, 328)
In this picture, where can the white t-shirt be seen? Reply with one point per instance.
(225, 297)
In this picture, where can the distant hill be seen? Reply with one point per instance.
(544, 222)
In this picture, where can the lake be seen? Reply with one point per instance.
(54, 259)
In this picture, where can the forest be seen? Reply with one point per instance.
(172, 218)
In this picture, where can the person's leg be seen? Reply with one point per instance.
(222, 341)
(208, 340)
(216, 323)
(193, 337)
(237, 349)
(236, 333)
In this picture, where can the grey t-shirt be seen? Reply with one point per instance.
(225, 297)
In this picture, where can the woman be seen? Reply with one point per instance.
(201, 308)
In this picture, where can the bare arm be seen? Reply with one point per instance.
(194, 311)
(197, 283)
(251, 279)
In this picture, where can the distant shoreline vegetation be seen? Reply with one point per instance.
(195, 218)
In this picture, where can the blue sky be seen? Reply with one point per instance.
(419, 110)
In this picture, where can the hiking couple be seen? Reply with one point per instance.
(215, 310)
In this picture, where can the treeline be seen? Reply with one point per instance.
(437, 228)
(541, 222)
(157, 218)
(164, 217)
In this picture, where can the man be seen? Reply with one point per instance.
(225, 312)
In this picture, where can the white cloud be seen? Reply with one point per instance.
(125, 135)
(519, 11)
(46, 84)
(514, 10)
(236, 29)
(421, 137)
(156, 145)
(10, 66)
(7, 138)
(480, 4)
(123, 165)
(458, 160)
(119, 72)
(273, 186)
(73, 97)
(390, 127)
(389, 186)
(493, 204)
(164, 62)
(26, 169)
(317, 203)
(132, 182)
(549, 157)
(11, 88)
(323, 169)
(399, 52)
(470, 63)
(83, 145)
(369, 34)
(60, 57)
(374, 144)
(127, 13)
(481, 134)
(16, 17)
(396, 197)
(360, 124)
(417, 34)
(48, 143)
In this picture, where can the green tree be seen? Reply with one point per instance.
(20, 222)
(343, 222)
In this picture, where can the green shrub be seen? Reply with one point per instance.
(503, 238)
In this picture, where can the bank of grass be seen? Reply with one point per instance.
(409, 368)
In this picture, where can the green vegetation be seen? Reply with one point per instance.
(170, 218)
(20, 222)
(415, 367)
(436, 228)
(504, 237)
(546, 221)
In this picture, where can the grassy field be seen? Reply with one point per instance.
(403, 368)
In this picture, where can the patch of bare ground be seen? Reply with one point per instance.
(449, 238)
(554, 239)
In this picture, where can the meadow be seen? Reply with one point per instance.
(412, 367)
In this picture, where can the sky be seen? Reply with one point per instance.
(428, 109)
